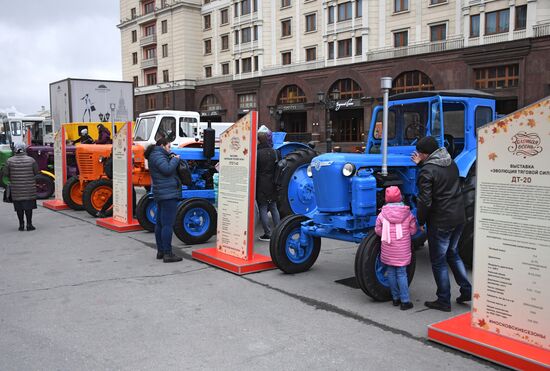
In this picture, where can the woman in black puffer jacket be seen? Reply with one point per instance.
(21, 171)
(167, 193)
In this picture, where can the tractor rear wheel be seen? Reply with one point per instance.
(295, 189)
(72, 193)
(285, 249)
(370, 272)
(96, 194)
(466, 242)
(146, 212)
(196, 221)
(45, 186)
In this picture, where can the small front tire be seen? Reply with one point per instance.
(146, 212)
(72, 193)
(196, 221)
(45, 186)
(96, 194)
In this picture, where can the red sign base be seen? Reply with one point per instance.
(55, 205)
(117, 226)
(212, 256)
(458, 333)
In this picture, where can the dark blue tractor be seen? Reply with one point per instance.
(196, 218)
(349, 187)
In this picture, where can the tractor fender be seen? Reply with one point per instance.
(287, 147)
(47, 173)
(465, 161)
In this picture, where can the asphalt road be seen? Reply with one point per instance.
(74, 296)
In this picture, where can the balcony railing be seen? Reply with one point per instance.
(148, 40)
(148, 63)
(541, 30)
(419, 48)
(274, 70)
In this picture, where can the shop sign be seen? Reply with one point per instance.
(350, 103)
(292, 107)
(512, 227)
(210, 113)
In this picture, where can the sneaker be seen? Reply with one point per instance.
(464, 298)
(171, 258)
(264, 237)
(30, 227)
(438, 305)
(406, 306)
(396, 302)
(160, 255)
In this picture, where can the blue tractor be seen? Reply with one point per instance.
(196, 218)
(349, 187)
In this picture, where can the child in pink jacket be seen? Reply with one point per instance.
(396, 224)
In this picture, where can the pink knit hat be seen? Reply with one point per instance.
(393, 194)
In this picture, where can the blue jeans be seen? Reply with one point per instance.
(443, 244)
(166, 216)
(399, 283)
(272, 207)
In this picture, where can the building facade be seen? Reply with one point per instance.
(313, 68)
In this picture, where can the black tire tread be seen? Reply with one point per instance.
(141, 216)
(67, 194)
(46, 179)
(87, 195)
(179, 230)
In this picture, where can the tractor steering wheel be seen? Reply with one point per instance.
(449, 143)
(416, 131)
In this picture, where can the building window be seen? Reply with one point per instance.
(348, 88)
(164, 26)
(236, 37)
(285, 3)
(411, 81)
(330, 14)
(133, 13)
(286, 58)
(255, 33)
(210, 103)
(149, 30)
(151, 77)
(134, 58)
(255, 5)
(245, 7)
(358, 8)
(474, 26)
(358, 45)
(246, 35)
(344, 48)
(134, 36)
(207, 23)
(224, 15)
(311, 22)
(291, 94)
(401, 5)
(434, 2)
(136, 81)
(166, 99)
(225, 68)
(237, 67)
(148, 7)
(438, 32)
(165, 76)
(256, 63)
(247, 101)
(225, 42)
(150, 53)
(497, 22)
(246, 65)
(285, 28)
(151, 102)
(331, 50)
(208, 71)
(311, 54)
(401, 39)
(236, 10)
(207, 46)
(163, 3)
(521, 17)
(344, 11)
(164, 50)
(497, 77)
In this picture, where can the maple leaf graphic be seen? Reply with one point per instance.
(495, 130)
(481, 322)
(531, 123)
(245, 152)
(497, 331)
(492, 156)
(481, 140)
(501, 124)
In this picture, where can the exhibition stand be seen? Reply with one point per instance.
(509, 323)
(60, 168)
(234, 249)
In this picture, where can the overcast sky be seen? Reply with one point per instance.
(42, 41)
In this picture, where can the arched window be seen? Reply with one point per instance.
(412, 81)
(210, 103)
(291, 94)
(347, 88)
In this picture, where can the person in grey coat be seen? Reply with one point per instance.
(21, 171)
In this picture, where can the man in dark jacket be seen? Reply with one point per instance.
(440, 206)
(266, 190)
(104, 136)
(85, 138)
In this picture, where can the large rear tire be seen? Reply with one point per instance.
(466, 242)
(45, 186)
(146, 212)
(370, 272)
(196, 221)
(96, 194)
(285, 249)
(72, 193)
(295, 189)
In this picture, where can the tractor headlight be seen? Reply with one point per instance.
(309, 171)
(101, 159)
(348, 170)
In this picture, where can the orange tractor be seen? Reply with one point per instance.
(93, 186)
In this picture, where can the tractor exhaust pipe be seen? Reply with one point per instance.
(386, 83)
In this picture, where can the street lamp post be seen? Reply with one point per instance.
(329, 104)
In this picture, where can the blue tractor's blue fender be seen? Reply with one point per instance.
(465, 161)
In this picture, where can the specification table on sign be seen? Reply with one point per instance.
(512, 233)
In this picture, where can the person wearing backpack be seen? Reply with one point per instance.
(266, 189)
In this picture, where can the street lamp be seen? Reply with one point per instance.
(329, 103)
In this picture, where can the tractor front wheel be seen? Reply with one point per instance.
(96, 194)
(45, 186)
(196, 221)
(72, 193)
(146, 212)
(286, 250)
(370, 272)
